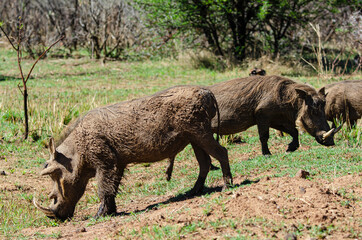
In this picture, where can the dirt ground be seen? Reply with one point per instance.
(261, 206)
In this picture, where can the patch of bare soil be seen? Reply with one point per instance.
(265, 209)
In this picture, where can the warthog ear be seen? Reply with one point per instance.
(303, 94)
(322, 91)
(52, 146)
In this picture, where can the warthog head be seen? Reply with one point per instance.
(312, 117)
(69, 182)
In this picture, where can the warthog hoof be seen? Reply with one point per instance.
(292, 147)
(107, 209)
(213, 167)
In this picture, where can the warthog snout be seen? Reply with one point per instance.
(53, 212)
(327, 138)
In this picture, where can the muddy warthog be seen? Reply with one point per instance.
(105, 140)
(344, 101)
(270, 102)
(257, 71)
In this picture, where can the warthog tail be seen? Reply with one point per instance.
(218, 118)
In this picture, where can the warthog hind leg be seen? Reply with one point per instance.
(171, 162)
(204, 163)
(213, 148)
(169, 170)
(263, 131)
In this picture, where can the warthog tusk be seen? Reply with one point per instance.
(48, 170)
(46, 211)
(328, 134)
(337, 129)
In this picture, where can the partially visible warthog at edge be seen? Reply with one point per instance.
(105, 140)
(344, 101)
(270, 102)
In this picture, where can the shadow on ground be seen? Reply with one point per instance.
(185, 196)
(7, 78)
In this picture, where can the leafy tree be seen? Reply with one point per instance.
(229, 26)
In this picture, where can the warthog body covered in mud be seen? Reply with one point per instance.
(272, 102)
(105, 140)
(344, 101)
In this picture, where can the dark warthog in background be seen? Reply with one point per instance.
(105, 140)
(257, 71)
(344, 101)
(270, 102)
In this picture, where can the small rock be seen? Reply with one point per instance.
(290, 236)
(81, 230)
(3, 173)
(293, 228)
(302, 174)
(302, 190)
(236, 195)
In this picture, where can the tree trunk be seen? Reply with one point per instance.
(276, 48)
(26, 134)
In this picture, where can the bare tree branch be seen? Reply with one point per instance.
(8, 39)
(42, 55)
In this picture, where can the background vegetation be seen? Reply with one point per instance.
(232, 30)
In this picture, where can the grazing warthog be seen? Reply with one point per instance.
(257, 71)
(270, 102)
(105, 140)
(344, 100)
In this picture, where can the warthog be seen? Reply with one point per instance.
(257, 71)
(344, 101)
(270, 102)
(105, 140)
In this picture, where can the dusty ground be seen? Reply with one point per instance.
(262, 206)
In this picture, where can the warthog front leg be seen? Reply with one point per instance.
(294, 144)
(108, 183)
(293, 132)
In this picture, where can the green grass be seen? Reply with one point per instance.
(61, 90)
